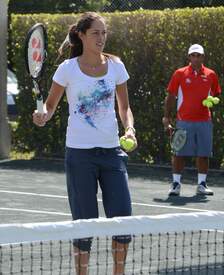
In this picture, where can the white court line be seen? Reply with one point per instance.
(34, 194)
(133, 203)
(173, 207)
(35, 211)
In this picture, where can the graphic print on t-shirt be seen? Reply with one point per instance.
(93, 106)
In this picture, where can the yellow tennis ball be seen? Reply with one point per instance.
(207, 103)
(215, 100)
(204, 102)
(210, 98)
(127, 144)
(122, 141)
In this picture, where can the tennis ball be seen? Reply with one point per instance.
(204, 102)
(127, 143)
(207, 103)
(210, 98)
(215, 100)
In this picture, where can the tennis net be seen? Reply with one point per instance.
(188, 243)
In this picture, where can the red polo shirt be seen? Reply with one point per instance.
(191, 88)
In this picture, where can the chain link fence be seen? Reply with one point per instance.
(130, 5)
(69, 6)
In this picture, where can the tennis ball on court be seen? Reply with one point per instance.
(215, 100)
(127, 144)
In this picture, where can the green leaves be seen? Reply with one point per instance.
(152, 44)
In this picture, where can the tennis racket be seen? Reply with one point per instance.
(178, 138)
(35, 57)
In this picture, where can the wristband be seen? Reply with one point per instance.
(130, 127)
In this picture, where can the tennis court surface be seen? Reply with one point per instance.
(185, 237)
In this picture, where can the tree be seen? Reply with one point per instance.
(55, 6)
(5, 140)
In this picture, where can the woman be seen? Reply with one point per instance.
(92, 79)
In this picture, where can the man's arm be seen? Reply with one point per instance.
(169, 106)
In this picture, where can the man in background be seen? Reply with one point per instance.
(187, 89)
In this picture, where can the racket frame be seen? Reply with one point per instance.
(177, 133)
(36, 79)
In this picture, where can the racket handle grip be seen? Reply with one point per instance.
(40, 105)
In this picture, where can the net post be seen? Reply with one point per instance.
(5, 135)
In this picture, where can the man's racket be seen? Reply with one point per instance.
(35, 56)
(178, 138)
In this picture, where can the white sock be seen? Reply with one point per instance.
(176, 178)
(201, 177)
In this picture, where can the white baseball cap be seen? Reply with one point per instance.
(196, 48)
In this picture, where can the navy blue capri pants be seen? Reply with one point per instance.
(85, 170)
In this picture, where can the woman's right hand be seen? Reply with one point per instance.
(40, 119)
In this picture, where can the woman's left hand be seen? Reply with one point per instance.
(130, 133)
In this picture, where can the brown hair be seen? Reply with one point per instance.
(72, 40)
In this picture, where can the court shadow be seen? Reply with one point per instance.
(182, 200)
(49, 165)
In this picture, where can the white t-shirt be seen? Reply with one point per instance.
(92, 119)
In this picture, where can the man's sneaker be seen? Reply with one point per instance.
(174, 189)
(202, 189)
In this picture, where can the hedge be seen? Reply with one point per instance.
(152, 45)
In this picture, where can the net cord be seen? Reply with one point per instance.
(134, 225)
